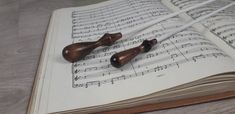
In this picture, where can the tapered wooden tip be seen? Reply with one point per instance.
(120, 59)
(78, 51)
(109, 39)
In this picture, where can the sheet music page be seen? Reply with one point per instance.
(221, 25)
(185, 57)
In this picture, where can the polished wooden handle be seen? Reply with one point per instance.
(121, 58)
(78, 51)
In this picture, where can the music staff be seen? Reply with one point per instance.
(221, 25)
(95, 70)
(158, 68)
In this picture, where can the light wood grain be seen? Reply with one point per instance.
(23, 25)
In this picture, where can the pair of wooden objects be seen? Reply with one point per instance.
(78, 51)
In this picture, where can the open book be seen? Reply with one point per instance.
(197, 62)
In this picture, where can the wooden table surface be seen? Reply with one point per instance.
(23, 25)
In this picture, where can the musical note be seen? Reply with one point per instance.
(173, 56)
(186, 45)
(90, 69)
(198, 57)
(91, 83)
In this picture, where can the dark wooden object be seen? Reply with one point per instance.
(121, 58)
(78, 51)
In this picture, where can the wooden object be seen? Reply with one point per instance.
(78, 51)
(121, 58)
